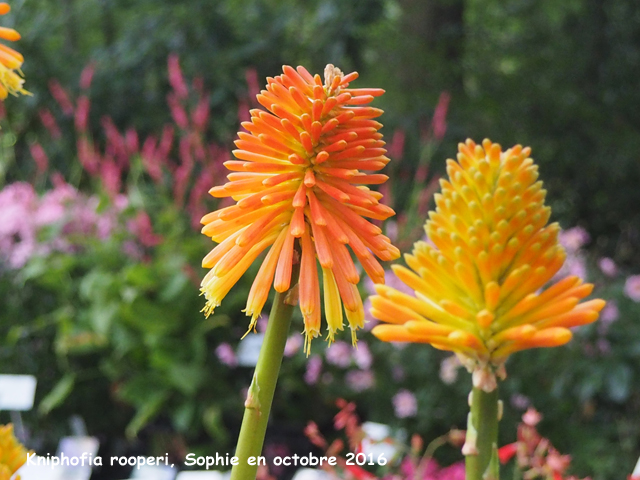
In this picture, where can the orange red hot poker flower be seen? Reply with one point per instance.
(299, 179)
(10, 61)
(477, 286)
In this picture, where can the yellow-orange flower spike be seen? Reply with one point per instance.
(477, 287)
(12, 454)
(11, 80)
(298, 179)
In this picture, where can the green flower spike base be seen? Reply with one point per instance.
(481, 445)
(258, 403)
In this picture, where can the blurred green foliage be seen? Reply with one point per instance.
(102, 331)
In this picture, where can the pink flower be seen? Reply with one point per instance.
(439, 122)
(632, 288)
(87, 75)
(40, 157)
(251, 75)
(81, 116)
(608, 267)
(226, 355)
(50, 123)
(175, 77)
(360, 380)
(261, 325)
(18, 203)
(142, 228)
(531, 417)
(574, 238)
(405, 404)
(54, 204)
(604, 346)
(314, 367)
(609, 314)
(362, 356)
(339, 354)
(449, 369)
(391, 230)
(575, 264)
(21, 253)
(453, 472)
(293, 344)
(396, 146)
(397, 373)
(520, 401)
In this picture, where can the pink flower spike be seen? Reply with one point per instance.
(142, 228)
(40, 157)
(110, 175)
(131, 141)
(50, 123)
(439, 121)
(87, 75)
(200, 114)
(175, 77)
(82, 114)
(166, 142)
(61, 96)
(395, 149)
(178, 112)
(251, 75)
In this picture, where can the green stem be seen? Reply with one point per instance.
(263, 386)
(483, 422)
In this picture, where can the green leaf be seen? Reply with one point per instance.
(146, 413)
(212, 421)
(58, 394)
(183, 416)
(186, 378)
(174, 287)
(95, 285)
(150, 317)
(141, 275)
(102, 316)
(619, 383)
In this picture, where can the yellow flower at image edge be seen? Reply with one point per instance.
(10, 61)
(298, 181)
(477, 285)
(12, 454)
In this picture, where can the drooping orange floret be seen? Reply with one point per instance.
(477, 286)
(11, 80)
(300, 186)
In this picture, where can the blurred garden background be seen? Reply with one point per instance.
(104, 174)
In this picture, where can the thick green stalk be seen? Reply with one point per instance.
(260, 395)
(481, 451)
